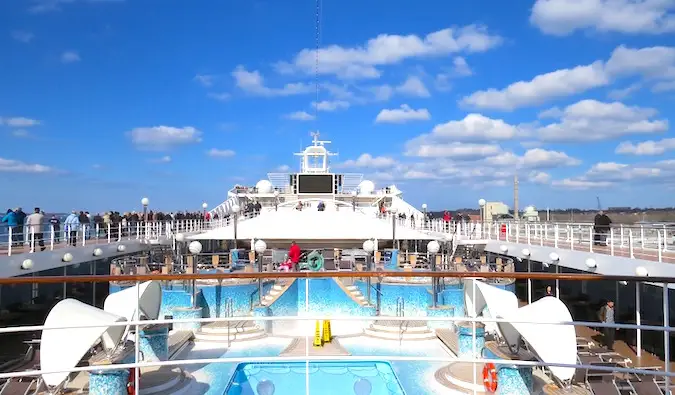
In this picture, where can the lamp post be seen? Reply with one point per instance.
(235, 213)
(481, 204)
(260, 246)
(195, 248)
(354, 193)
(555, 259)
(432, 249)
(276, 200)
(526, 254)
(145, 202)
(204, 207)
(393, 212)
(368, 247)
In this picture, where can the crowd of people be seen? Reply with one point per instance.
(26, 226)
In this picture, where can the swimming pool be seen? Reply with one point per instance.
(325, 378)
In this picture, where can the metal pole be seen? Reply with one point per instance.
(368, 278)
(434, 282)
(638, 318)
(557, 282)
(260, 280)
(194, 282)
(393, 230)
(378, 297)
(529, 281)
(235, 230)
(666, 335)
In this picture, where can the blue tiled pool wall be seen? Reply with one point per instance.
(154, 343)
(215, 298)
(108, 382)
(512, 379)
(288, 378)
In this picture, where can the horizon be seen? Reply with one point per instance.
(100, 108)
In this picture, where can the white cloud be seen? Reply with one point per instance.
(205, 80)
(651, 62)
(164, 137)
(649, 147)
(536, 158)
(70, 57)
(664, 86)
(461, 68)
(283, 168)
(15, 166)
(474, 127)
(413, 86)
(620, 94)
(220, 96)
(19, 122)
(609, 174)
(163, 159)
(442, 82)
(21, 133)
(220, 153)
(402, 115)
(331, 105)
(579, 184)
(563, 17)
(369, 161)
(22, 36)
(539, 177)
(591, 120)
(300, 116)
(386, 49)
(253, 83)
(544, 87)
(455, 150)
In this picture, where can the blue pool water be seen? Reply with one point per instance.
(325, 377)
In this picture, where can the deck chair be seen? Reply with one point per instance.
(329, 259)
(603, 388)
(16, 387)
(238, 259)
(646, 387)
(346, 263)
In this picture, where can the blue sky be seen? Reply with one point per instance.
(103, 102)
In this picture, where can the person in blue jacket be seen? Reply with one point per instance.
(13, 223)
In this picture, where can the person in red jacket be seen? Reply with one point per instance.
(294, 255)
(446, 220)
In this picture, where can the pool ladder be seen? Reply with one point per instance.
(400, 312)
(229, 313)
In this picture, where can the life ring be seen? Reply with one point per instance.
(131, 383)
(490, 377)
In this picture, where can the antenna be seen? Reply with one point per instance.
(599, 205)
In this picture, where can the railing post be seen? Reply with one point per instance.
(51, 237)
(611, 241)
(32, 239)
(556, 235)
(571, 228)
(630, 243)
(638, 319)
(517, 232)
(545, 232)
(11, 242)
(666, 335)
(119, 235)
(665, 238)
(591, 237)
(84, 234)
(109, 228)
(642, 237)
(622, 240)
(659, 253)
(527, 229)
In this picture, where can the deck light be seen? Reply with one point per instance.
(205, 205)
(504, 248)
(641, 271)
(424, 206)
(433, 246)
(236, 208)
(623, 282)
(369, 246)
(260, 246)
(354, 193)
(276, 193)
(180, 237)
(591, 263)
(145, 202)
(195, 247)
(554, 257)
(526, 252)
(98, 252)
(393, 210)
(121, 248)
(481, 202)
(67, 257)
(27, 264)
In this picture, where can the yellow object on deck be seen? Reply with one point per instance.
(317, 335)
(327, 335)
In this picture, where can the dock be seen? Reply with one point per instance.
(298, 348)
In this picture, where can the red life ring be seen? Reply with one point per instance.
(131, 383)
(490, 377)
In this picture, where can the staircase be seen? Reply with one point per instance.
(400, 330)
(353, 292)
(276, 291)
(158, 381)
(230, 331)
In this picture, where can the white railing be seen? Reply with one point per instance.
(632, 374)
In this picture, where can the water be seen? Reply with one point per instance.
(325, 377)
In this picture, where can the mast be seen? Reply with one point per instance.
(515, 196)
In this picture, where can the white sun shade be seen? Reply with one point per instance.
(498, 301)
(62, 349)
(124, 302)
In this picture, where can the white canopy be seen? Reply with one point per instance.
(310, 224)
(498, 301)
(552, 343)
(62, 349)
(123, 303)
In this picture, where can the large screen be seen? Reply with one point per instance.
(315, 183)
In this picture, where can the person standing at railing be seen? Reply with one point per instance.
(71, 225)
(294, 255)
(601, 227)
(10, 219)
(446, 220)
(607, 317)
(35, 224)
(20, 221)
(56, 228)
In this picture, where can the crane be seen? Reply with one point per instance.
(599, 205)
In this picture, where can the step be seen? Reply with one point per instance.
(399, 328)
(372, 332)
(274, 292)
(175, 382)
(268, 297)
(351, 287)
(235, 326)
(278, 287)
(251, 334)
